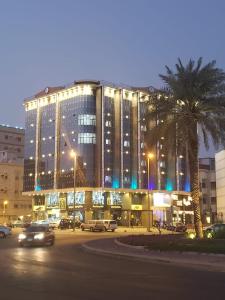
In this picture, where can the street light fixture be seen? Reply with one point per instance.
(74, 156)
(4, 207)
(150, 157)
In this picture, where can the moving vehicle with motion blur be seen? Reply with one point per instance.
(5, 231)
(36, 235)
(99, 225)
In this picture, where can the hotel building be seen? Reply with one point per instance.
(105, 125)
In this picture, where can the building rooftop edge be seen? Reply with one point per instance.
(52, 90)
(11, 127)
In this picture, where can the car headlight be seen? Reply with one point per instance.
(22, 236)
(209, 235)
(39, 236)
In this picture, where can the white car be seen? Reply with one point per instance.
(4, 231)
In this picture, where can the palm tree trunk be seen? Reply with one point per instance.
(194, 181)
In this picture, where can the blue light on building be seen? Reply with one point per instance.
(115, 183)
(133, 183)
(169, 184)
(187, 186)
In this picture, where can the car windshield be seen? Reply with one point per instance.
(36, 229)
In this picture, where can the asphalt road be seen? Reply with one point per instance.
(65, 271)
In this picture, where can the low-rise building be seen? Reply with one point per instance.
(220, 185)
(13, 205)
(207, 178)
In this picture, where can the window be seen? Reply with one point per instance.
(15, 205)
(204, 199)
(108, 142)
(86, 120)
(6, 137)
(126, 143)
(86, 138)
(108, 178)
(108, 124)
(203, 183)
(126, 179)
(213, 200)
(213, 185)
(19, 139)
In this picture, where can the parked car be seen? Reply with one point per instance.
(99, 225)
(65, 224)
(215, 231)
(17, 223)
(54, 223)
(180, 227)
(5, 231)
(36, 235)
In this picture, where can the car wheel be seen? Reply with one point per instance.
(52, 242)
(104, 229)
(21, 244)
(113, 230)
(2, 235)
(82, 228)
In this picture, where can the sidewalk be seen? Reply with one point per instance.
(112, 247)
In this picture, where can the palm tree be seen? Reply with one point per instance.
(192, 101)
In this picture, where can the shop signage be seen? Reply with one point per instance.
(38, 207)
(116, 206)
(136, 207)
(98, 206)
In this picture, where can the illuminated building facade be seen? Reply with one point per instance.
(106, 126)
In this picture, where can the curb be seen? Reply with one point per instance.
(154, 258)
(117, 242)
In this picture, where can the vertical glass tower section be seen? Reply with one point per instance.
(77, 119)
(30, 152)
(46, 151)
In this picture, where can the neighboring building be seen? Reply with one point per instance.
(11, 143)
(220, 185)
(106, 126)
(207, 178)
(12, 204)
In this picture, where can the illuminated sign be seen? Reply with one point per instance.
(115, 198)
(79, 198)
(52, 200)
(136, 207)
(98, 199)
(161, 200)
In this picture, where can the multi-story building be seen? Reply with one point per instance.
(106, 126)
(207, 178)
(13, 204)
(220, 185)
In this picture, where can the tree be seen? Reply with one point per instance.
(192, 101)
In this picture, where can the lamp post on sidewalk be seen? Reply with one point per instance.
(4, 207)
(74, 156)
(150, 157)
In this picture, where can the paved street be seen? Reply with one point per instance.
(65, 271)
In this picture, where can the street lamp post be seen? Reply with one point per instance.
(4, 206)
(74, 156)
(150, 156)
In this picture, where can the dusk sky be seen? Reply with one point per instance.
(52, 42)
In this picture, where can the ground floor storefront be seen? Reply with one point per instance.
(127, 207)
